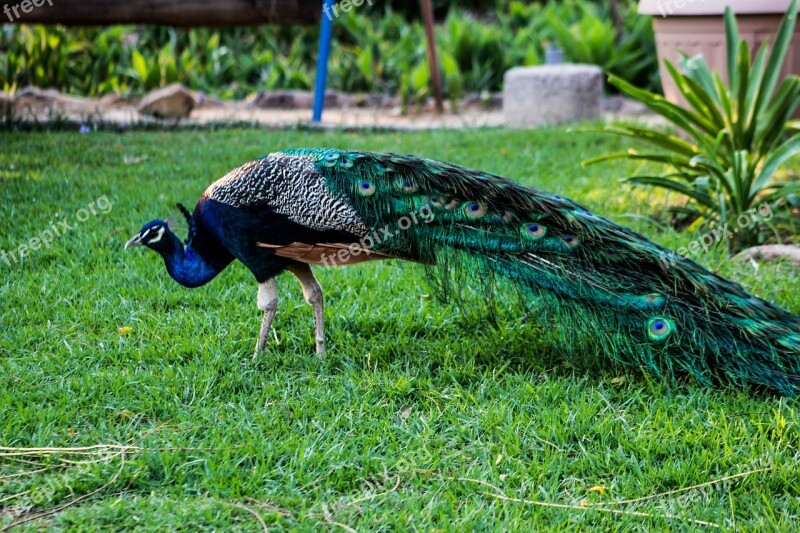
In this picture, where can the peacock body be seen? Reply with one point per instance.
(330, 207)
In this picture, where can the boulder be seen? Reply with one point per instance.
(35, 103)
(172, 101)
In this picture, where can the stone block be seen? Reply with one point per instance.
(547, 95)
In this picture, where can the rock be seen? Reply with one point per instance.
(172, 101)
(552, 94)
(283, 100)
(49, 104)
(112, 101)
(375, 101)
(300, 100)
(204, 101)
(769, 252)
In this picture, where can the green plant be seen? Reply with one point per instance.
(375, 50)
(736, 136)
(593, 39)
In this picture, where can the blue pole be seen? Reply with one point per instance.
(325, 32)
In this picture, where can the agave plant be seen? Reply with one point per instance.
(735, 136)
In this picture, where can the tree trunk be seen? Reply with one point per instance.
(168, 12)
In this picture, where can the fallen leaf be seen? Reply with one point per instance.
(598, 488)
(133, 160)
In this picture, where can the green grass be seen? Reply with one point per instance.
(418, 418)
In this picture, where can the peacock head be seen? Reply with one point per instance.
(156, 235)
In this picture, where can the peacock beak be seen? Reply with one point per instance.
(135, 241)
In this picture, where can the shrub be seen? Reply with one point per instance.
(735, 137)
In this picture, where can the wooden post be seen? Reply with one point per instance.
(433, 63)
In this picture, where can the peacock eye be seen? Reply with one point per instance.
(474, 209)
(406, 185)
(347, 163)
(659, 328)
(365, 188)
(570, 240)
(434, 200)
(534, 230)
(331, 158)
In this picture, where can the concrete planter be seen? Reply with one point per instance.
(697, 27)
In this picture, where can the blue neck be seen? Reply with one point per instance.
(190, 268)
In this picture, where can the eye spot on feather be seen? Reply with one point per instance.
(534, 230)
(347, 163)
(331, 158)
(406, 185)
(658, 328)
(570, 240)
(474, 209)
(434, 200)
(366, 188)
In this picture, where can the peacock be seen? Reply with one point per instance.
(592, 281)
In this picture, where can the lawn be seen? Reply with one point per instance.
(420, 416)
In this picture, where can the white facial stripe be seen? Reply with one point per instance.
(158, 237)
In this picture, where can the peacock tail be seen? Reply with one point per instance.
(588, 274)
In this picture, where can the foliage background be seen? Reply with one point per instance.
(376, 49)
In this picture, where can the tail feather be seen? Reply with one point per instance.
(640, 303)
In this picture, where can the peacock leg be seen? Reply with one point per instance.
(312, 291)
(267, 302)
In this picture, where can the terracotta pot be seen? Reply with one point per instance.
(697, 27)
